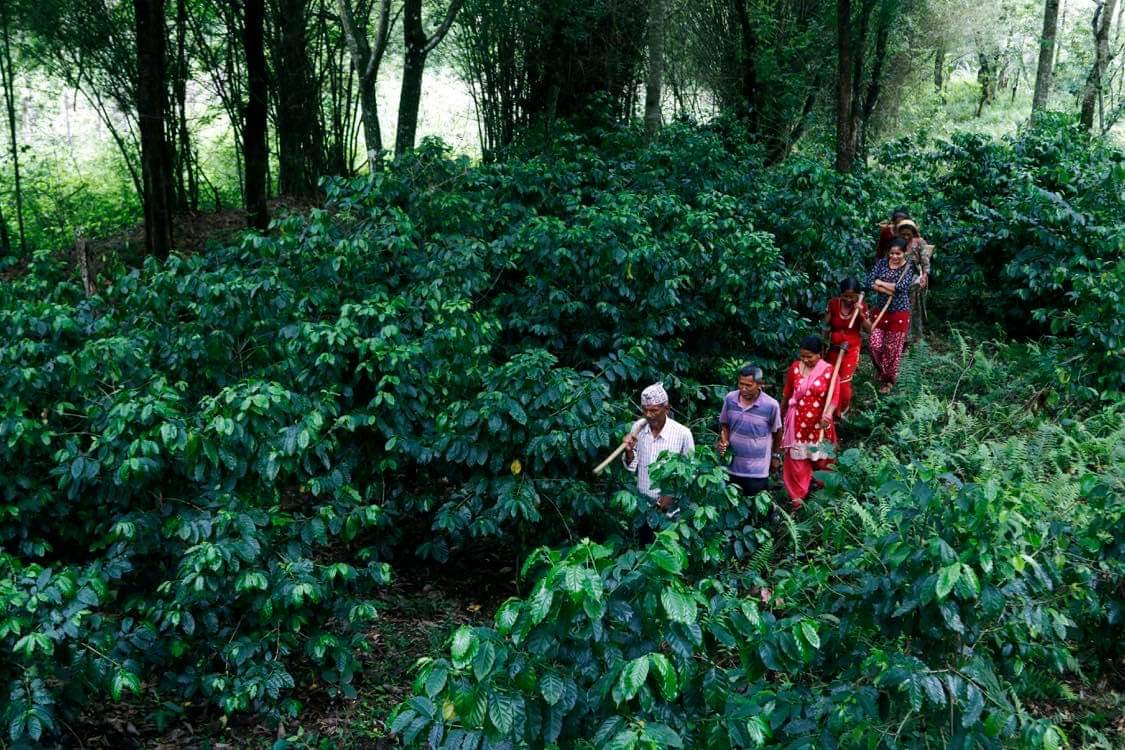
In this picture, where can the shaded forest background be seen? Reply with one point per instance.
(259, 100)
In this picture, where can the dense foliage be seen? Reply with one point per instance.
(936, 587)
(210, 462)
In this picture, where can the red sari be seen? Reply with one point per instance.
(806, 399)
(842, 333)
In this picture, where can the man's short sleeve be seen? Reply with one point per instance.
(689, 441)
(775, 419)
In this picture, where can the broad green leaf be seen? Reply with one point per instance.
(947, 579)
(678, 605)
(632, 676)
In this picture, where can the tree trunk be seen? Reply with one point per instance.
(5, 238)
(8, 78)
(748, 70)
(845, 134)
(298, 101)
(255, 151)
(655, 79)
(156, 167)
(1103, 19)
(366, 62)
(1058, 38)
(1046, 56)
(939, 69)
(418, 47)
(874, 86)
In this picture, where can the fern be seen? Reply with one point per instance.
(794, 533)
(761, 560)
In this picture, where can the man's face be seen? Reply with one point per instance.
(748, 388)
(655, 415)
(808, 359)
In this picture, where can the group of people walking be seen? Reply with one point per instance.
(794, 435)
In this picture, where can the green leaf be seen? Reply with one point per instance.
(435, 679)
(947, 579)
(662, 735)
(974, 705)
(551, 687)
(665, 674)
(632, 676)
(808, 630)
(679, 605)
(501, 712)
(540, 604)
(483, 660)
(460, 650)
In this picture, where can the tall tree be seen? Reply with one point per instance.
(747, 66)
(366, 59)
(845, 123)
(655, 81)
(156, 167)
(186, 177)
(888, 12)
(1103, 19)
(297, 97)
(418, 48)
(255, 153)
(7, 79)
(1046, 56)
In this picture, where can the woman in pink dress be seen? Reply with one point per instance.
(808, 419)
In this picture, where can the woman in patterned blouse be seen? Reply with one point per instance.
(807, 414)
(890, 276)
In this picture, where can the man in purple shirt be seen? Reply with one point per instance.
(750, 425)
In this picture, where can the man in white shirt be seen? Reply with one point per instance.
(659, 434)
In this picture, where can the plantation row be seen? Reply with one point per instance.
(210, 463)
(934, 589)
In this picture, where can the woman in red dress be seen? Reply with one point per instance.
(808, 419)
(841, 329)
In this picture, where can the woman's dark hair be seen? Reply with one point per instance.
(812, 344)
(900, 243)
(900, 212)
(850, 284)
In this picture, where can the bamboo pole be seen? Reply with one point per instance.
(855, 313)
(832, 383)
(617, 451)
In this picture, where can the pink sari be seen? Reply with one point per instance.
(821, 370)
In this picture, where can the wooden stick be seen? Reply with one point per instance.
(832, 382)
(890, 297)
(855, 313)
(617, 451)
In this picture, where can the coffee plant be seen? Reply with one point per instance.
(210, 463)
(920, 602)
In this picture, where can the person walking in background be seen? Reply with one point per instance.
(750, 427)
(659, 434)
(808, 419)
(844, 320)
(890, 279)
(887, 232)
(919, 254)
